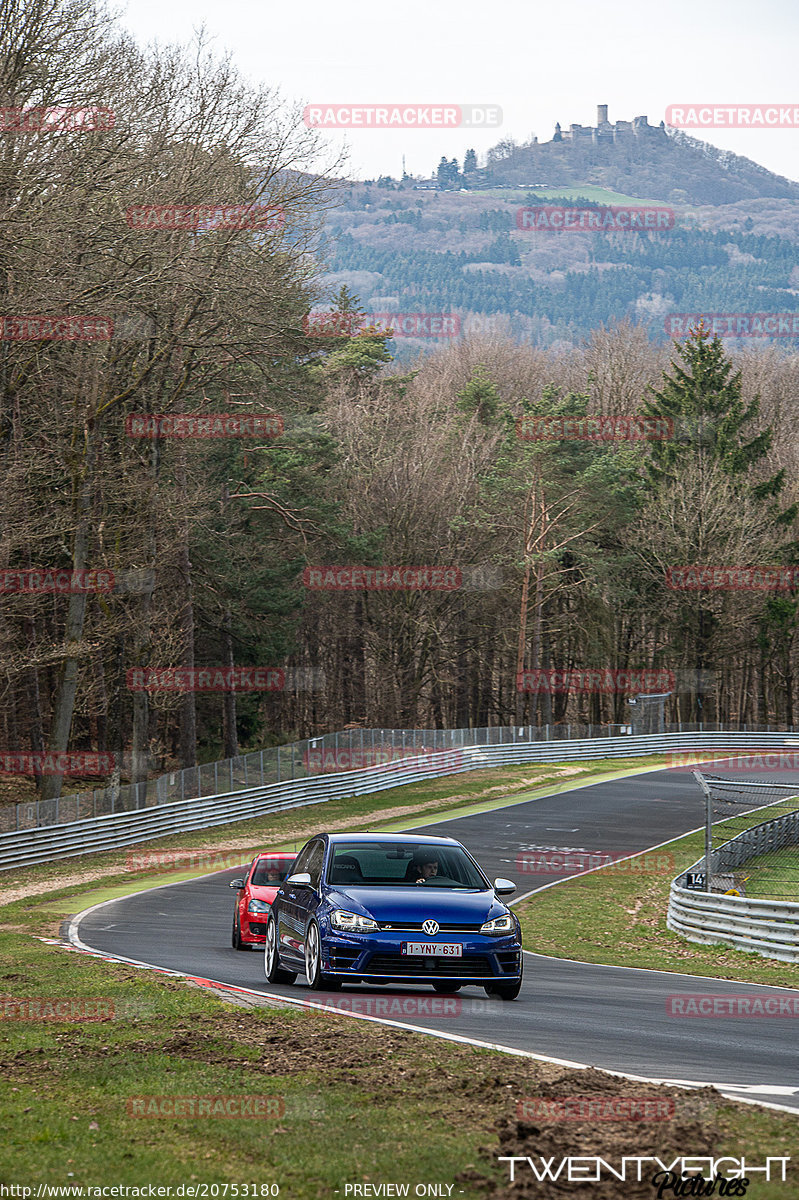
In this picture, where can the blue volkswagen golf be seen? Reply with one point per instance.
(393, 908)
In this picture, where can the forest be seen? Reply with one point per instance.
(221, 533)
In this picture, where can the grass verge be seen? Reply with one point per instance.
(348, 1103)
(617, 916)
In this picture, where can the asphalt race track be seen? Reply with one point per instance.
(610, 1017)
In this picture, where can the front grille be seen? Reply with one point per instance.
(402, 964)
(416, 927)
(257, 927)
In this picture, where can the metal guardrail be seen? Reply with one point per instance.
(761, 926)
(278, 764)
(298, 760)
(116, 830)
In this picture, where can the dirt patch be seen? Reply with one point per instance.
(461, 1086)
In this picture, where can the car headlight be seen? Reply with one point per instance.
(349, 922)
(257, 906)
(499, 925)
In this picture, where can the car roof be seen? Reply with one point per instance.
(409, 838)
(281, 854)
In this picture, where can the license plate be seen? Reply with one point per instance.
(434, 949)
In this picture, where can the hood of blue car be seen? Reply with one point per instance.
(394, 905)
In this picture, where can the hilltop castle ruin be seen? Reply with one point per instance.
(607, 131)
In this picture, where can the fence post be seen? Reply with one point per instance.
(278, 765)
(216, 778)
(262, 768)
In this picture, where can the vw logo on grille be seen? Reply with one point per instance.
(430, 928)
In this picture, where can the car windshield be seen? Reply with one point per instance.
(405, 864)
(270, 872)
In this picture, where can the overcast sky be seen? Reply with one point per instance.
(540, 62)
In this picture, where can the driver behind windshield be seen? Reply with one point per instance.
(422, 867)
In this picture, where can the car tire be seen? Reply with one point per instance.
(317, 981)
(235, 937)
(504, 991)
(272, 968)
(443, 985)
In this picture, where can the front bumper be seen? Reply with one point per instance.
(253, 929)
(379, 957)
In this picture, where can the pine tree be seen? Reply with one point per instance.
(703, 401)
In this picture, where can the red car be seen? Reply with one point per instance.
(255, 894)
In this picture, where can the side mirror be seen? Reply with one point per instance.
(504, 887)
(302, 878)
(236, 883)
